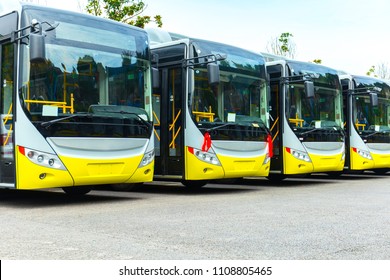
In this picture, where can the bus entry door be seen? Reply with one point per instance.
(168, 119)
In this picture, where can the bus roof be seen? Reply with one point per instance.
(7, 6)
(161, 37)
(272, 57)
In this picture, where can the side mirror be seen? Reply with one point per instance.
(374, 99)
(37, 48)
(309, 89)
(213, 73)
(155, 78)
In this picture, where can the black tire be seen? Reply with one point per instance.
(356, 172)
(76, 191)
(276, 177)
(194, 184)
(228, 181)
(381, 171)
(335, 174)
(126, 187)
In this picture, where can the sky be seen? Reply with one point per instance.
(349, 35)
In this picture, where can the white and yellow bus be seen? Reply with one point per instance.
(306, 118)
(367, 123)
(210, 111)
(75, 101)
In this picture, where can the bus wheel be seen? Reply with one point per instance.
(76, 191)
(126, 187)
(357, 172)
(335, 174)
(381, 171)
(194, 184)
(228, 181)
(276, 177)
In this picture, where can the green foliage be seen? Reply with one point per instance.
(381, 71)
(283, 45)
(371, 71)
(317, 61)
(127, 11)
(284, 40)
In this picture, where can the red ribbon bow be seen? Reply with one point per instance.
(270, 146)
(206, 142)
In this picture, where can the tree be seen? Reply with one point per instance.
(317, 61)
(127, 11)
(371, 71)
(283, 45)
(381, 71)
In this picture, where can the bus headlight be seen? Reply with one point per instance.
(42, 159)
(362, 153)
(205, 156)
(298, 154)
(147, 159)
(267, 159)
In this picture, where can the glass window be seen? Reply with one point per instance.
(322, 110)
(368, 117)
(93, 66)
(241, 93)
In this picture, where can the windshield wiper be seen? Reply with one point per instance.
(49, 123)
(311, 130)
(218, 127)
(335, 128)
(261, 124)
(146, 123)
(374, 133)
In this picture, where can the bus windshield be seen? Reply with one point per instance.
(240, 97)
(372, 122)
(95, 70)
(322, 111)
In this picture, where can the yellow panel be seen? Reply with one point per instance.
(28, 175)
(144, 174)
(99, 171)
(325, 163)
(319, 163)
(103, 168)
(248, 167)
(295, 166)
(360, 163)
(198, 170)
(231, 168)
(381, 160)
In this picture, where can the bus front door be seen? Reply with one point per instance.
(276, 115)
(168, 120)
(7, 170)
